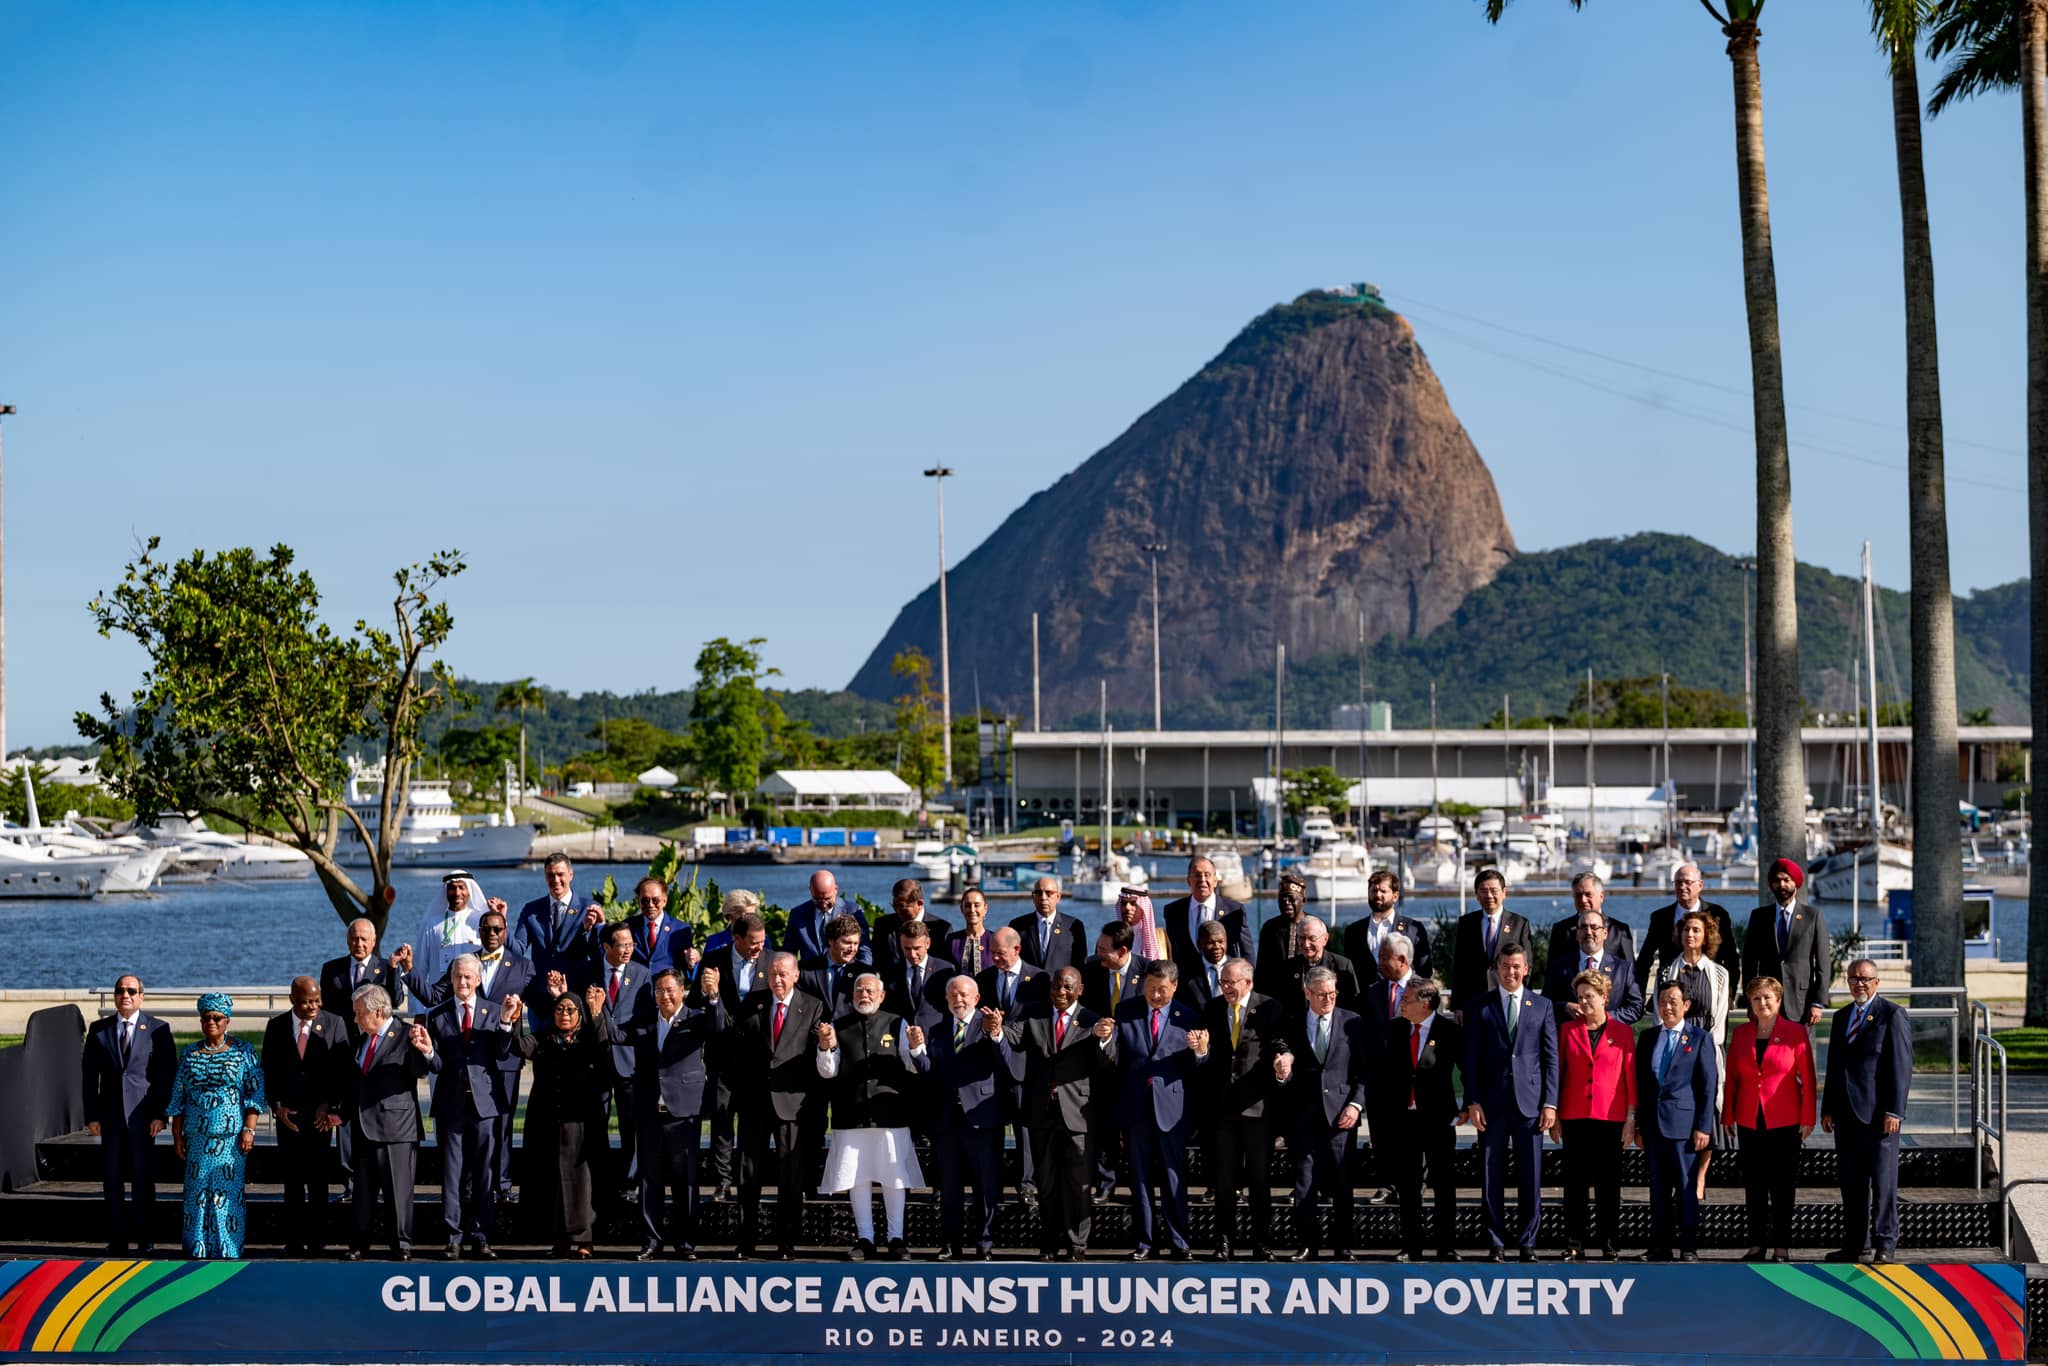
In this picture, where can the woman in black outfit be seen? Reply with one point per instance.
(565, 1113)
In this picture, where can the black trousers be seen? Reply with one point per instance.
(627, 1170)
(1020, 1134)
(124, 1157)
(1322, 1163)
(469, 1176)
(759, 1128)
(304, 1156)
(1239, 1148)
(561, 1157)
(386, 1168)
(724, 1170)
(1770, 1182)
(1107, 1143)
(1065, 1163)
(968, 1155)
(1407, 1145)
(1869, 1161)
(1592, 1163)
(669, 1155)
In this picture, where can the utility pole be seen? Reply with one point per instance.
(1155, 549)
(6, 410)
(939, 473)
(1034, 672)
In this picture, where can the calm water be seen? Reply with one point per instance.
(249, 934)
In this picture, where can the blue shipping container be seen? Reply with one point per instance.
(865, 839)
(834, 839)
(785, 834)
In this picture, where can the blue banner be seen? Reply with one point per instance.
(289, 1312)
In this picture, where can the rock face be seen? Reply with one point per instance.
(1313, 471)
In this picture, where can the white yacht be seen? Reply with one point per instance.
(133, 866)
(1338, 871)
(1317, 829)
(39, 873)
(937, 862)
(198, 853)
(1856, 873)
(1109, 880)
(431, 833)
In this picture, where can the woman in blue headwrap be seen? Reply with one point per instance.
(213, 1109)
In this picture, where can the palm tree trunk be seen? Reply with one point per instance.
(2034, 121)
(1937, 840)
(1781, 763)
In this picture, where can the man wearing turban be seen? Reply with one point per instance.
(1788, 939)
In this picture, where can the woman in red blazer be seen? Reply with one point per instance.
(1770, 1097)
(1596, 1097)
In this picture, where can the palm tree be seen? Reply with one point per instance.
(2003, 45)
(1937, 839)
(518, 696)
(1781, 762)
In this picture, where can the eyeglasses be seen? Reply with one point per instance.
(127, 991)
(1864, 977)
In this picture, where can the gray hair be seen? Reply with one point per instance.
(1584, 878)
(469, 958)
(373, 998)
(363, 920)
(1318, 977)
(874, 977)
(1398, 943)
(1230, 963)
(738, 901)
(1164, 969)
(775, 958)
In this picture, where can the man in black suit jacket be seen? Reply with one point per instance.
(670, 1042)
(774, 1079)
(1113, 978)
(1788, 940)
(384, 1115)
(906, 898)
(130, 1063)
(624, 983)
(1202, 902)
(1323, 1068)
(361, 966)
(743, 980)
(1244, 1029)
(305, 1075)
(1414, 1116)
(1870, 1073)
(1314, 952)
(1482, 935)
(468, 1041)
(1362, 937)
(1277, 937)
(1380, 1002)
(1589, 893)
(1051, 938)
(1066, 1058)
(830, 978)
(1624, 1002)
(1660, 940)
(967, 1062)
(1202, 980)
(915, 986)
(1016, 988)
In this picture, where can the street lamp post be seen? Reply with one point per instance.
(939, 473)
(1155, 549)
(6, 410)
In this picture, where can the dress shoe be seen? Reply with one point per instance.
(1882, 1257)
(947, 1254)
(1496, 1254)
(482, 1252)
(1528, 1254)
(454, 1252)
(117, 1249)
(1077, 1253)
(1028, 1191)
(986, 1254)
(1448, 1255)
(862, 1250)
(354, 1254)
(1223, 1251)
(1060, 1254)
(1405, 1256)
(648, 1252)
(1261, 1253)
(403, 1254)
(787, 1252)
(898, 1249)
(1610, 1252)
(1141, 1254)
(1756, 1254)
(1306, 1254)
(145, 1249)
(582, 1253)
(1688, 1256)
(1575, 1254)
(1340, 1254)
(1655, 1257)
(723, 1193)
(1048, 1256)
(683, 1254)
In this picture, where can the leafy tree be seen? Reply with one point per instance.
(250, 704)
(632, 745)
(481, 752)
(519, 696)
(1318, 786)
(730, 715)
(53, 798)
(923, 760)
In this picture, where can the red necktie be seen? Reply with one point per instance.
(465, 1019)
(1393, 999)
(780, 1007)
(302, 1040)
(1414, 1061)
(1059, 1030)
(369, 1053)
(612, 993)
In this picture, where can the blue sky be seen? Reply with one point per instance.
(657, 310)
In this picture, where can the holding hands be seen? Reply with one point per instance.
(828, 1038)
(557, 983)
(1198, 1040)
(593, 1001)
(914, 1036)
(708, 980)
(422, 1041)
(593, 916)
(401, 958)
(1105, 1029)
(991, 1022)
(512, 1010)
(1283, 1066)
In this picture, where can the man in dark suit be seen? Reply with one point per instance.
(1244, 1029)
(361, 966)
(1313, 951)
(504, 973)
(1660, 940)
(1113, 978)
(670, 1043)
(553, 933)
(743, 979)
(1277, 937)
(1863, 1104)
(659, 939)
(1482, 934)
(1362, 938)
(1414, 1115)
(469, 1042)
(1159, 1044)
(1066, 1057)
(130, 1063)
(1511, 1081)
(1202, 980)
(1788, 940)
(1589, 894)
(305, 1074)
(967, 1060)
(830, 978)
(1676, 1083)
(915, 986)
(1326, 1056)
(805, 936)
(1052, 939)
(774, 1078)
(1015, 988)
(906, 899)
(624, 983)
(1184, 914)
(1592, 954)
(1380, 1003)
(384, 1114)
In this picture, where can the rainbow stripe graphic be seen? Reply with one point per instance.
(1954, 1312)
(74, 1306)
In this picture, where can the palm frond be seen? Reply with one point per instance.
(1981, 39)
(1896, 26)
(1496, 8)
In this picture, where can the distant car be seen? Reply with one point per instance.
(583, 789)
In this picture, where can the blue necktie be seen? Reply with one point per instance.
(1670, 1047)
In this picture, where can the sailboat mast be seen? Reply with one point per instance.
(1870, 675)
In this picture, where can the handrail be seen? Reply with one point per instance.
(2005, 1210)
(1982, 1123)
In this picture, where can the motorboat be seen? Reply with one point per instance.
(1338, 871)
(39, 873)
(1437, 865)
(1109, 877)
(1317, 829)
(134, 865)
(1867, 872)
(1231, 878)
(936, 861)
(431, 834)
(199, 853)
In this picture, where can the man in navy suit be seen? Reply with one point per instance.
(1160, 1042)
(503, 973)
(968, 1062)
(1052, 939)
(1863, 1104)
(659, 940)
(624, 983)
(384, 1113)
(1511, 1086)
(1113, 979)
(906, 899)
(553, 932)
(1244, 1029)
(669, 1045)
(130, 1062)
(1203, 980)
(1014, 987)
(1363, 937)
(1184, 916)
(774, 1072)
(1676, 1083)
(1592, 953)
(305, 1072)
(805, 936)
(362, 966)
(1325, 1056)
(742, 965)
(1482, 935)
(916, 981)
(830, 978)
(470, 1042)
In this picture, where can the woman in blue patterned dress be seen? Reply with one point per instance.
(213, 1109)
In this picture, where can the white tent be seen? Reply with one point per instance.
(657, 777)
(826, 789)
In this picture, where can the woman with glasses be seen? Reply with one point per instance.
(214, 1103)
(1770, 1099)
(1707, 997)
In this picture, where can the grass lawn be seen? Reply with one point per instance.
(2026, 1050)
(595, 807)
(553, 822)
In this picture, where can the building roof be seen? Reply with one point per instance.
(834, 782)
